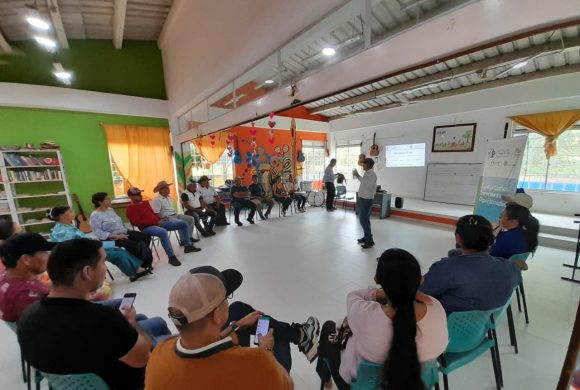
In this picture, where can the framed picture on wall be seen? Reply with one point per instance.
(454, 138)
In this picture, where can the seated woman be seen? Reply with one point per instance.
(388, 326)
(65, 230)
(107, 225)
(299, 199)
(281, 194)
(519, 232)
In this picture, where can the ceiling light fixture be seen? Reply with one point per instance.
(328, 51)
(269, 81)
(46, 42)
(520, 65)
(38, 23)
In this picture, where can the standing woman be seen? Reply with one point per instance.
(107, 225)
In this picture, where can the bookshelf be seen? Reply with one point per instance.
(31, 182)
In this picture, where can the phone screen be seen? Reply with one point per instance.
(262, 328)
(127, 301)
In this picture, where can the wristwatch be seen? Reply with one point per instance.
(233, 325)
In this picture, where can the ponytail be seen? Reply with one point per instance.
(529, 224)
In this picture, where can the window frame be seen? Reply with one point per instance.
(225, 163)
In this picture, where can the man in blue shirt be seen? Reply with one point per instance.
(259, 197)
(472, 280)
(241, 199)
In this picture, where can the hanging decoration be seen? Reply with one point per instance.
(271, 124)
(230, 144)
(237, 156)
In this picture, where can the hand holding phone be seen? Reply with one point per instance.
(262, 328)
(127, 301)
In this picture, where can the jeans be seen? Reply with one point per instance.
(330, 194)
(284, 333)
(181, 226)
(364, 214)
(328, 363)
(300, 201)
(244, 203)
(163, 236)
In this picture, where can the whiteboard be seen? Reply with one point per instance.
(452, 183)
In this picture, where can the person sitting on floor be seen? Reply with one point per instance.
(211, 200)
(107, 225)
(191, 201)
(520, 229)
(281, 195)
(25, 257)
(472, 280)
(65, 333)
(162, 205)
(205, 353)
(241, 199)
(140, 214)
(65, 230)
(393, 326)
(259, 198)
(299, 199)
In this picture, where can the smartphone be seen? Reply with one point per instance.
(127, 301)
(262, 328)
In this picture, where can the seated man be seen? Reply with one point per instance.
(65, 333)
(204, 354)
(191, 201)
(281, 195)
(259, 197)
(211, 200)
(141, 214)
(25, 257)
(472, 280)
(162, 205)
(240, 199)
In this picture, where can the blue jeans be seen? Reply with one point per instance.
(163, 236)
(364, 214)
(155, 327)
(181, 226)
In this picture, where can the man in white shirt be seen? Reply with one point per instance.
(211, 200)
(191, 201)
(162, 205)
(366, 195)
(328, 180)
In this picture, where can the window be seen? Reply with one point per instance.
(313, 166)
(218, 172)
(347, 159)
(560, 173)
(118, 181)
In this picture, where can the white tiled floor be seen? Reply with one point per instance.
(305, 265)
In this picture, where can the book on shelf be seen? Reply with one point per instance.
(48, 174)
(15, 160)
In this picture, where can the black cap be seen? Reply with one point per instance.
(231, 278)
(24, 244)
(134, 191)
(203, 178)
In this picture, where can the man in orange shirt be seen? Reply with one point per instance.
(204, 356)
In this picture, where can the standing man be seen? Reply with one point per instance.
(210, 199)
(190, 199)
(240, 199)
(366, 194)
(329, 184)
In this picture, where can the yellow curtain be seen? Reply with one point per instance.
(550, 125)
(212, 146)
(142, 155)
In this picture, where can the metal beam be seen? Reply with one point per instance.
(562, 70)
(455, 72)
(119, 23)
(4, 45)
(57, 23)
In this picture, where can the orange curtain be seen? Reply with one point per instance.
(550, 125)
(211, 147)
(142, 155)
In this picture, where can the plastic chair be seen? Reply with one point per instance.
(341, 195)
(369, 376)
(469, 337)
(75, 382)
(520, 288)
(495, 318)
(12, 326)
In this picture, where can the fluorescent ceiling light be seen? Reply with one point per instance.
(63, 75)
(269, 81)
(38, 23)
(46, 42)
(520, 65)
(328, 51)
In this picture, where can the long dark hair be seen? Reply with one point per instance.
(399, 274)
(475, 231)
(529, 224)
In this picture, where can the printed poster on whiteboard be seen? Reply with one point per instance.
(501, 171)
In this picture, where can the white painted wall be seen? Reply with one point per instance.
(489, 109)
(68, 99)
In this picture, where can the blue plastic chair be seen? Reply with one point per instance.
(520, 288)
(12, 326)
(469, 337)
(75, 382)
(369, 376)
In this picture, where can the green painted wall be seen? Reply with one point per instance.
(135, 70)
(81, 139)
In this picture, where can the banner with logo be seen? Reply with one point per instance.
(501, 171)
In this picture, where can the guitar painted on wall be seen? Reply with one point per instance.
(81, 219)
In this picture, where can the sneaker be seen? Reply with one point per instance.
(368, 244)
(309, 346)
(251, 221)
(194, 239)
(191, 248)
(361, 240)
(239, 223)
(139, 275)
(205, 233)
(173, 261)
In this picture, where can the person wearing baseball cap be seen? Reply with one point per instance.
(25, 257)
(211, 200)
(206, 352)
